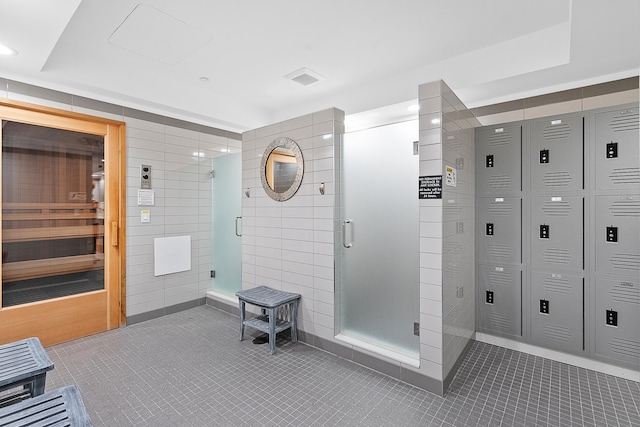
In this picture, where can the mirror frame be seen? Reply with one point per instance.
(293, 146)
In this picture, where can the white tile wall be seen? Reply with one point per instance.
(182, 206)
(447, 318)
(290, 245)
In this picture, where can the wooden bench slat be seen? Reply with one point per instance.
(23, 270)
(51, 233)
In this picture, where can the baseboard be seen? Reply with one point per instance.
(143, 317)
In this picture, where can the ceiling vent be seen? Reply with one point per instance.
(304, 76)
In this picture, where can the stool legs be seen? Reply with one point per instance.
(272, 330)
(242, 315)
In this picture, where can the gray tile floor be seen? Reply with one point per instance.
(190, 369)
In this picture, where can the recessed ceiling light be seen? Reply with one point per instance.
(414, 107)
(435, 121)
(6, 50)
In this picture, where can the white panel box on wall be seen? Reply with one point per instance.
(171, 255)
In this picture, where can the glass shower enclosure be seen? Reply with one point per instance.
(380, 289)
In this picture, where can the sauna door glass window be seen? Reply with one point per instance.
(52, 213)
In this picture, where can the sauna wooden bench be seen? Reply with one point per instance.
(24, 363)
(270, 300)
(43, 212)
(60, 407)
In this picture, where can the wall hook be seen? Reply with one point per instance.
(247, 192)
(321, 188)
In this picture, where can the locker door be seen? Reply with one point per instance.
(617, 319)
(499, 164)
(499, 230)
(557, 311)
(617, 239)
(617, 152)
(557, 232)
(499, 300)
(557, 154)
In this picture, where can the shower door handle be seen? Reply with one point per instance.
(344, 234)
(238, 234)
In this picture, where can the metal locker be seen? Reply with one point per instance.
(499, 230)
(499, 300)
(557, 232)
(617, 150)
(499, 164)
(617, 235)
(557, 154)
(617, 320)
(557, 311)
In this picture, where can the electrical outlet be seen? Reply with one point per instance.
(416, 328)
(459, 227)
(612, 234)
(612, 318)
(544, 306)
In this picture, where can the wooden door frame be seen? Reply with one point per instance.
(115, 145)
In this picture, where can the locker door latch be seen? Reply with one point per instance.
(544, 231)
(544, 306)
(612, 150)
(489, 227)
(489, 297)
(612, 234)
(544, 156)
(612, 318)
(489, 161)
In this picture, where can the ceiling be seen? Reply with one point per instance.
(222, 63)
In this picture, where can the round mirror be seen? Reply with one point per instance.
(281, 169)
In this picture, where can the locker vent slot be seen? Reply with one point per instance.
(625, 208)
(500, 279)
(500, 321)
(625, 261)
(557, 256)
(625, 347)
(557, 285)
(557, 208)
(556, 332)
(625, 175)
(625, 123)
(500, 182)
(452, 211)
(499, 139)
(557, 179)
(500, 251)
(503, 209)
(555, 132)
(625, 294)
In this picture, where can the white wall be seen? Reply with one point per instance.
(290, 245)
(182, 188)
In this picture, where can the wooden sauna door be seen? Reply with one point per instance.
(62, 217)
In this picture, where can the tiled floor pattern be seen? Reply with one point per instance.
(190, 369)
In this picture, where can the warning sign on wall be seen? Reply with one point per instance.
(451, 178)
(430, 187)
